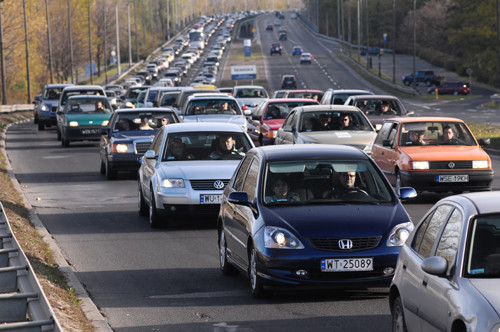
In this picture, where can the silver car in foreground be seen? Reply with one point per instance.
(187, 167)
(448, 271)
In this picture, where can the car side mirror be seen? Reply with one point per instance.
(287, 128)
(407, 192)
(387, 142)
(484, 141)
(239, 197)
(435, 265)
(150, 154)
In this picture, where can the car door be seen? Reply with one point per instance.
(385, 155)
(422, 306)
(288, 131)
(149, 165)
(239, 225)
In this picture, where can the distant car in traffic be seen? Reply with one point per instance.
(448, 270)
(451, 88)
(269, 27)
(125, 139)
(432, 154)
(186, 169)
(297, 50)
(339, 96)
(250, 95)
(303, 216)
(276, 48)
(288, 82)
(303, 93)
(47, 105)
(305, 58)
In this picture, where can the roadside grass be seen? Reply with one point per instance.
(63, 300)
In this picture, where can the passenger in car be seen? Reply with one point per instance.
(416, 137)
(226, 149)
(177, 151)
(281, 192)
(448, 136)
(346, 122)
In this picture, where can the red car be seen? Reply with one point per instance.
(451, 88)
(270, 115)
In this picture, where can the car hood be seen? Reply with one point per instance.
(225, 118)
(88, 119)
(445, 152)
(274, 124)
(51, 103)
(133, 135)
(199, 169)
(489, 290)
(345, 137)
(330, 221)
(250, 102)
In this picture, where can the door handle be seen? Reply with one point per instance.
(424, 282)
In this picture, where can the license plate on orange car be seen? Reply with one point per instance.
(452, 178)
(210, 199)
(346, 264)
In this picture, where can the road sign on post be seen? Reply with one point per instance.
(243, 72)
(247, 45)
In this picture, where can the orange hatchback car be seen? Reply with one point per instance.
(432, 154)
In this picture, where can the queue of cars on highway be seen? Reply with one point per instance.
(321, 207)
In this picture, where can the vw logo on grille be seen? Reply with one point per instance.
(345, 244)
(451, 164)
(218, 184)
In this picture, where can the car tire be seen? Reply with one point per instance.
(398, 316)
(143, 207)
(256, 285)
(35, 120)
(64, 142)
(406, 82)
(154, 218)
(41, 126)
(227, 268)
(455, 93)
(58, 134)
(110, 173)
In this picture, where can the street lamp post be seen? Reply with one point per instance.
(27, 52)
(414, 44)
(49, 41)
(90, 49)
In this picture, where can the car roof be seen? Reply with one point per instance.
(339, 108)
(248, 87)
(370, 97)
(211, 95)
(353, 91)
(144, 109)
(87, 97)
(483, 202)
(62, 85)
(204, 126)
(424, 119)
(288, 100)
(304, 90)
(83, 87)
(309, 151)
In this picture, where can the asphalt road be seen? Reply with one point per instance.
(168, 279)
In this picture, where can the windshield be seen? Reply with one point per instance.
(52, 93)
(142, 121)
(483, 260)
(435, 133)
(88, 105)
(251, 93)
(169, 98)
(206, 146)
(333, 120)
(213, 106)
(305, 94)
(281, 110)
(324, 181)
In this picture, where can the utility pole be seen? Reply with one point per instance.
(394, 41)
(104, 39)
(117, 41)
(27, 52)
(49, 41)
(129, 37)
(414, 44)
(2, 60)
(90, 48)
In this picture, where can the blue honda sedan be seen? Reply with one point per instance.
(311, 216)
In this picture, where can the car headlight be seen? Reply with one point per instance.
(121, 148)
(105, 123)
(480, 164)
(172, 183)
(73, 124)
(43, 108)
(399, 234)
(420, 164)
(280, 238)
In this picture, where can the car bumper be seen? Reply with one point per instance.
(185, 202)
(47, 118)
(427, 181)
(82, 133)
(124, 162)
(280, 272)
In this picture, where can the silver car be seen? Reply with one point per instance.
(186, 168)
(326, 124)
(448, 271)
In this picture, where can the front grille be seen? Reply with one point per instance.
(141, 146)
(207, 184)
(457, 164)
(358, 243)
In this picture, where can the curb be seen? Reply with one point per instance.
(89, 308)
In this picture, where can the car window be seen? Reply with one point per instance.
(383, 133)
(212, 106)
(251, 179)
(157, 140)
(448, 243)
(88, 105)
(127, 121)
(483, 244)
(241, 173)
(331, 120)
(428, 231)
(434, 133)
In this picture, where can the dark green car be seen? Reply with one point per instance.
(82, 118)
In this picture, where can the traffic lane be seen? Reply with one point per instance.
(163, 278)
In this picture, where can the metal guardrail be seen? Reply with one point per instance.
(16, 108)
(23, 305)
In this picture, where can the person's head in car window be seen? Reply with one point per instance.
(99, 107)
(417, 137)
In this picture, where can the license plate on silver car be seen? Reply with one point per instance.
(210, 199)
(346, 264)
(452, 178)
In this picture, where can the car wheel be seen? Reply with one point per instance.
(398, 317)
(102, 170)
(143, 207)
(40, 126)
(456, 93)
(226, 267)
(407, 83)
(398, 183)
(110, 173)
(64, 142)
(154, 218)
(256, 285)
(58, 135)
(35, 120)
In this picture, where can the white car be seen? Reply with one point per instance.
(187, 168)
(305, 58)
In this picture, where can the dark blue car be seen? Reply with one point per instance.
(311, 216)
(128, 136)
(47, 104)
